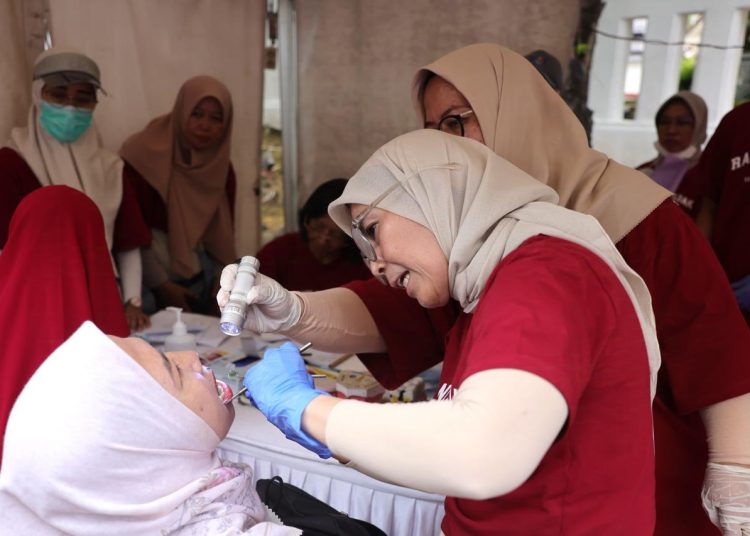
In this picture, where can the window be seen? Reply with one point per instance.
(692, 36)
(634, 66)
(742, 93)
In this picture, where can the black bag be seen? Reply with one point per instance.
(297, 508)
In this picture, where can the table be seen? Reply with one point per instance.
(398, 511)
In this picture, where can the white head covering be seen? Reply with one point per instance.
(95, 445)
(480, 209)
(84, 164)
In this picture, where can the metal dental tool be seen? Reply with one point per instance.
(301, 349)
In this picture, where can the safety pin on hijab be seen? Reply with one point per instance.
(302, 348)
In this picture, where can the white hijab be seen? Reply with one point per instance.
(95, 445)
(480, 207)
(84, 164)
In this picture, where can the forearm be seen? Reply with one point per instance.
(506, 419)
(727, 427)
(129, 263)
(154, 273)
(336, 320)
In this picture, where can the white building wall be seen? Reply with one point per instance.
(715, 77)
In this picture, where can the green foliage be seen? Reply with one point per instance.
(687, 67)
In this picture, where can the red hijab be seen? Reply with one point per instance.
(55, 273)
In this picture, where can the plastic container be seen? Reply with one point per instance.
(180, 339)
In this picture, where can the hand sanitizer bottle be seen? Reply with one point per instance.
(180, 339)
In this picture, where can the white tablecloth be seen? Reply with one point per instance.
(396, 510)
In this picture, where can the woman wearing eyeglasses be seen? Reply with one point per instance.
(543, 422)
(60, 145)
(681, 129)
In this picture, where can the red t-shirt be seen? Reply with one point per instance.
(17, 180)
(289, 261)
(725, 170)
(688, 195)
(556, 310)
(702, 336)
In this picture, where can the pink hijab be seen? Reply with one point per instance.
(191, 183)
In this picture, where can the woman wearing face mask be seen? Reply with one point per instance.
(489, 93)
(180, 169)
(320, 255)
(60, 145)
(111, 436)
(681, 128)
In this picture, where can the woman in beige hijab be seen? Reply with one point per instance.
(179, 165)
(493, 95)
(681, 130)
(554, 344)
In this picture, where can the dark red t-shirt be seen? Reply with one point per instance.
(17, 180)
(725, 169)
(554, 309)
(288, 260)
(702, 336)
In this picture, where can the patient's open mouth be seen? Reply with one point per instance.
(225, 392)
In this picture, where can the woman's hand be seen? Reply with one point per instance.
(726, 498)
(273, 308)
(281, 389)
(137, 319)
(172, 294)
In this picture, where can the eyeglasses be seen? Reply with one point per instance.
(363, 238)
(679, 122)
(454, 124)
(64, 96)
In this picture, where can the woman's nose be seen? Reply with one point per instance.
(377, 267)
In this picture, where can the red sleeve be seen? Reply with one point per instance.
(17, 180)
(703, 338)
(151, 205)
(414, 335)
(131, 230)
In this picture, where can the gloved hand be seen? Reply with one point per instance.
(741, 289)
(726, 498)
(273, 308)
(281, 389)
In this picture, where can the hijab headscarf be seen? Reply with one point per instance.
(55, 272)
(668, 169)
(524, 121)
(83, 164)
(191, 183)
(95, 445)
(480, 207)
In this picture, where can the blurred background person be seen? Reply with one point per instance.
(319, 255)
(681, 130)
(55, 272)
(60, 145)
(180, 169)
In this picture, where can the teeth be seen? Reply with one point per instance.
(225, 392)
(404, 280)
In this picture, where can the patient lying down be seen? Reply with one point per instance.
(111, 436)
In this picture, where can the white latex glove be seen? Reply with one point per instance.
(726, 498)
(273, 308)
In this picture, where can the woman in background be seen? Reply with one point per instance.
(681, 128)
(61, 145)
(180, 169)
(55, 272)
(319, 255)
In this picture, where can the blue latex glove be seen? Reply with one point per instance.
(281, 389)
(741, 289)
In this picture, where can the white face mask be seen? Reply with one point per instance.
(687, 153)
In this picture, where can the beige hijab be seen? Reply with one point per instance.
(526, 122)
(83, 165)
(480, 207)
(191, 183)
(698, 107)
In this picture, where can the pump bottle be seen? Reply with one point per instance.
(180, 339)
